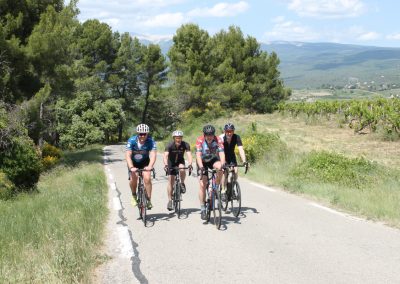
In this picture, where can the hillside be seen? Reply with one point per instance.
(311, 65)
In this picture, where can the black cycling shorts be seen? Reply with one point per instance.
(140, 165)
(174, 164)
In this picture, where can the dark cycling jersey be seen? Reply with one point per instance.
(140, 153)
(176, 153)
(229, 148)
(209, 151)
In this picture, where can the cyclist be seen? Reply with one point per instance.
(174, 157)
(231, 140)
(141, 153)
(209, 155)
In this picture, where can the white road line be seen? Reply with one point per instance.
(113, 186)
(125, 245)
(116, 204)
(263, 187)
(328, 209)
(110, 176)
(108, 169)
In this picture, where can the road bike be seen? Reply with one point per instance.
(213, 198)
(233, 192)
(176, 190)
(142, 195)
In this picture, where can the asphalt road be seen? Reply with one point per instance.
(278, 238)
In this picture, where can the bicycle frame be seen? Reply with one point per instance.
(176, 188)
(213, 200)
(142, 195)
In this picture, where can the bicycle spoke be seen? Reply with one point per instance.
(236, 199)
(217, 209)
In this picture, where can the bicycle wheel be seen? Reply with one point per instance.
(177, 199)
(217, 208)
(228, 196)
(140, 201)
(236, 199)
(144, 207)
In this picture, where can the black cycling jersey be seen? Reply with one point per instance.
(176, 153)
(229, 148)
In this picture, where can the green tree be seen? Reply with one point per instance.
(124, 78)
(153, 73)
(190, 67)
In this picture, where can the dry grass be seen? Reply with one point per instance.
(323, 134)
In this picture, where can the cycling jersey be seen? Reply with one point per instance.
(140, 153)
(209, 151)
(176, 153)
(229, 148)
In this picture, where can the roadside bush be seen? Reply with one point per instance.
(334, 168)
(51, 151)
(50, 156)
(259, 146)
(21, 163)
(6, 187)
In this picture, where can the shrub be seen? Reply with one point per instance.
(49, 162)
(6, 187)
(259, 145)
(51, 151)
(334, 168)
(21, 163)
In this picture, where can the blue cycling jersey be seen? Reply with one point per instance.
(140, 154)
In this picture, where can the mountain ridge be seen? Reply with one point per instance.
(312, 65)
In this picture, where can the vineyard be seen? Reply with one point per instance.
(360, 115)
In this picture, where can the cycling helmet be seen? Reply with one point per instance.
(142, 128)
(177, 133)
(229, 126)
(209, 129)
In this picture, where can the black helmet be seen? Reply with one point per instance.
(209, 129)
(229, 126)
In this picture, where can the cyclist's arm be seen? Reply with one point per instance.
(165, 158)
(199, 160)
(153, 156)
(242, 154)
(189, 156)
(128, 157)
(222, 157)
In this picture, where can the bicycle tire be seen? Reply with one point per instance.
(217, 208)
(139, 201)
(227, 200)
(236, 199)
(177, 199)
(144, 207)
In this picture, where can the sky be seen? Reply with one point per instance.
(363, 22)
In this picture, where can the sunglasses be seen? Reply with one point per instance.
(142, 134)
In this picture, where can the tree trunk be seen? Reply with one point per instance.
(146, 105)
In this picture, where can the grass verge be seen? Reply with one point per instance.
(52, 236)
(355, 173)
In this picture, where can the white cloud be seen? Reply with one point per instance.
(368, 36)
(154, 38)
(393, 36)
(290, 31)
(220, 10)
(171, 20)
(327, 8)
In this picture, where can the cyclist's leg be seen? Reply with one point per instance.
(217, 165)
(202, 196)
(147, 183)
(133, 178)
(182, 172)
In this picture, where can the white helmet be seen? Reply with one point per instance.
(177, 133)
(142, 128)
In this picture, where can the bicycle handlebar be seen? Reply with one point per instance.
(143, 170)
(178, 168)
(231, 166)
